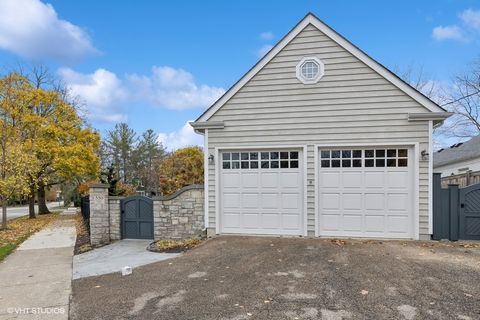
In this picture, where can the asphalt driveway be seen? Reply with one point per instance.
(287, 278)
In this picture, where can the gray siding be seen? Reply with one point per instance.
(351, 104)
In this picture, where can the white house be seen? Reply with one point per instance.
(458, 159)
(319, 139)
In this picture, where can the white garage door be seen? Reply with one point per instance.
(261, 192)
(366, 192)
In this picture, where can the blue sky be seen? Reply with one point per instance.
(158, 64)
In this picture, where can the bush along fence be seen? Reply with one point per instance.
(456, 211)
(178, 216)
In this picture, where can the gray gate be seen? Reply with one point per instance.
(456, 211)
(469, 224)
(137, 217)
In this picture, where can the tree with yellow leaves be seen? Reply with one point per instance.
(16, 158)
(63, 147)
(181, 168)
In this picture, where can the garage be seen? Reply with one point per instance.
(366, 192)
(261, 192)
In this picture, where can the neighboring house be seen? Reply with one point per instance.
(319, 139)
(460, 163)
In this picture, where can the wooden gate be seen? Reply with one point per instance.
(456, 211)
(137, 218)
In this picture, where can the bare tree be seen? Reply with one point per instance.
(464, 102)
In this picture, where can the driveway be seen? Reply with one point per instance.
(290, 278)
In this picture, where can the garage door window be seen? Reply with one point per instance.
(262, 159)
(367, 158)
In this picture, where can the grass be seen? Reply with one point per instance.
(19, 229)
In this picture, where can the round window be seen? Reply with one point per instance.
(310, 70)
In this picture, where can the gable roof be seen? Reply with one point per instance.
(458, 152)
(340, 40)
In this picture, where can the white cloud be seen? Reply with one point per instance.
(32, 29)
(263, 50)
(102, 92)
(184, 137)
(452, 32)
(471, 18)
(267, 35)
(106, 95)
(173, 89)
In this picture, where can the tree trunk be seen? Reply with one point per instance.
(4, 215)
(42, 202)
(31, 203)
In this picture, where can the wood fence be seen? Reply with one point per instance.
(463, 180)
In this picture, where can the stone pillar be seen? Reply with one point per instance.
(99, 217)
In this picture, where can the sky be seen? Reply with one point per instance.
(159, 64)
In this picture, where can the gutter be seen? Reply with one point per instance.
(200, 126)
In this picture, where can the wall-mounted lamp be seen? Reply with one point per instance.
(424, 154)
(211, 159)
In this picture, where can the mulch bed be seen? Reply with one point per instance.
(83, 236)
(174, 246)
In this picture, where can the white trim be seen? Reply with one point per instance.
(316, 149)
(254, 147)
(416, 178)
(320, 74)
(217, 191)
(329, 32)
(430, 177)
(305, 192)
(206, 167)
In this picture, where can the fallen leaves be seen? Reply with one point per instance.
(21, 228)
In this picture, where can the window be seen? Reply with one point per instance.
(369, 158)
(263, 160)
(310, 70)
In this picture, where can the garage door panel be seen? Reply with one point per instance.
(330, 179)
(374, 179)
(330, 201)
(290, 201)
(365, 192)
(374, 223)
(290, 180)
(330, 222)
(291, 221)
(250, 220)
(231, 200)
(352, 179)
(398, 180)
(271, 220)
(231, 220)
(270, 200)
(352, 222)
(231, 180)
(397, 201)
(374, 201)
(398, 224)
(352, 201)
(250, 200)
(250, 180)
(269, 180)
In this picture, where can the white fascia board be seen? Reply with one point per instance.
(340, 40)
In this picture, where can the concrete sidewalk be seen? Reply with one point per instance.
(35, 280)
(115, 256)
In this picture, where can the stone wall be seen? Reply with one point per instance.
(113, 208)
(178, 216)
(99, 215)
